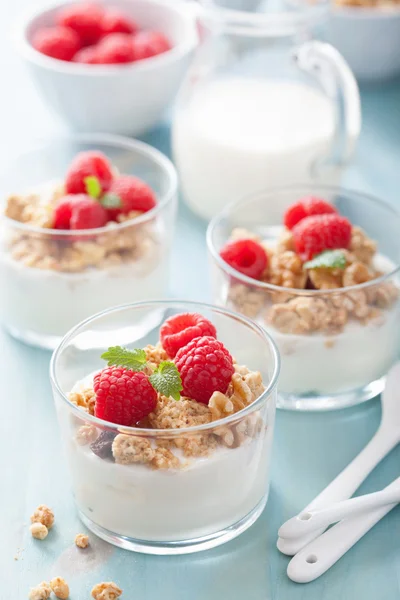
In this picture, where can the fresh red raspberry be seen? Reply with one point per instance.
(149, 43)
(115, 49)
(87, 213)
(205, 367)
(321, 232)
(87, 56)
(246, 256)
(115, 21)
(134, 194)
(63, 211)
(85, 19)
(57, 42)
(179, 330)
(123, 397)
(306, 207)
(84, 165)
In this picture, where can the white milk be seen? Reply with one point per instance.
(239, 136)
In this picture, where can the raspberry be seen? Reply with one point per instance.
(85, 19)
(321, 232)
(179, 330)
(63, 211)
(134, 194)
(123, 397)
(87, 213)
(305, 208)
(84, 165)
(115, 48)
(205, 367)
(246, 256)
(149, 43)
(88, 56)
(57, 42)
(115, 21)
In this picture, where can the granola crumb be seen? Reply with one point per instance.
(87, 434)
(39, 531)
(106, 591)
(165, 459)
(82, 540)
(170, 414)
(286, 270)
(129, 449)
(43, 514)
(40, 592)
(84, 399)
(60, 588)
(155, 354)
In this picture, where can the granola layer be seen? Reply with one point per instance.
(74, 254)
(291, 313)
(175, 453)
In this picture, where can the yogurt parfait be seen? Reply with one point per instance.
(323, 280)
(169, 436)
(86, 226)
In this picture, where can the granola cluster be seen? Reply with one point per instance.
(45, 250)
(175, 452)
(290, 313)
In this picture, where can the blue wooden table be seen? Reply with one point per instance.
(309, 449)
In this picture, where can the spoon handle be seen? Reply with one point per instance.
(319, 556)
(345, 484)
(309, 521)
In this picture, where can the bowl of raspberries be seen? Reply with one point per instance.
(109, 67)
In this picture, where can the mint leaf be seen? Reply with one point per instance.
(166, 380)
(134, 360)
(111, 201)
(93, 187)
(329, 259)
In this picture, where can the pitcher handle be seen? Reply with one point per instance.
(329, 68)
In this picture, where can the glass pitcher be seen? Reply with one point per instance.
(263, 105)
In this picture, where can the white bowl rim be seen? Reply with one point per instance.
(115, 140)
(178, 51)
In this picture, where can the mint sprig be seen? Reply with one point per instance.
(134, 360)
(329, 259)
(111, 201)
(166, 380)
(93, 187)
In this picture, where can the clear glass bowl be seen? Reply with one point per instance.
(205, 501)
(325, 364)
(50, 279)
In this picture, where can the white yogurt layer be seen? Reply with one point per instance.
(207, 495)
(322, 364)
(49, 303)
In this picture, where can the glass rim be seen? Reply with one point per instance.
(282, 22)
(177, 432)
(262, 285)
(147, 151)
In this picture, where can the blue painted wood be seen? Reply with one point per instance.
(309, 450)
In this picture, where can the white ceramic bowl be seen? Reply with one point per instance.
(114, 98)
(369, 40)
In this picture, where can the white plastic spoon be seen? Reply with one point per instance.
(319, 556)
(307, 522)
(347, 482)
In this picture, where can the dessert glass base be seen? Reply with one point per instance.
(191, 477)
(318, 402)
(188, 546)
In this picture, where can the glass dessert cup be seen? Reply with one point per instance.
(53, 279)
(204, 499)
(336, 345)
